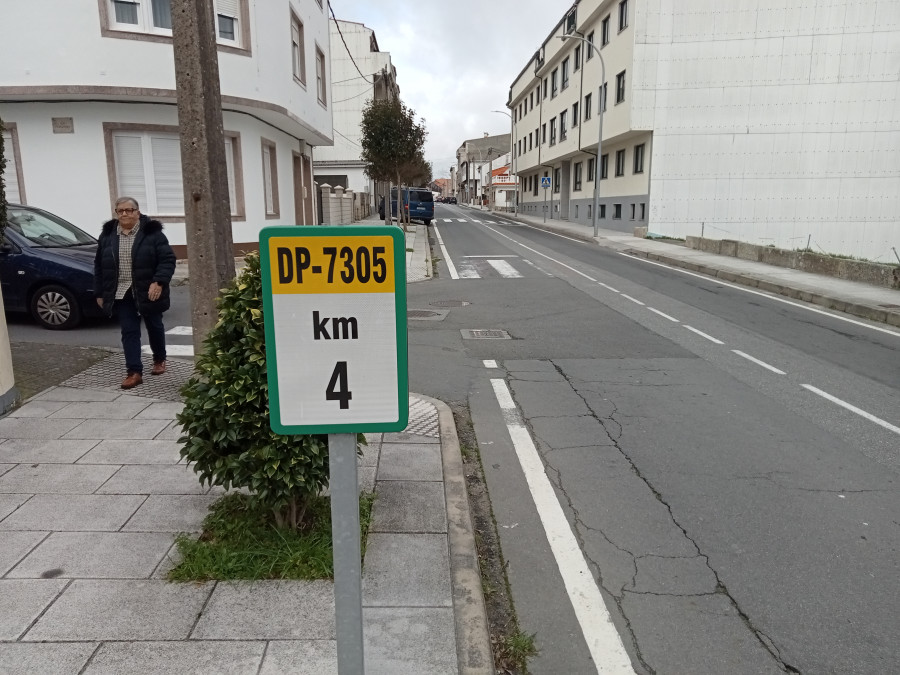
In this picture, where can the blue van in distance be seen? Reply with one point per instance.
(419, 202)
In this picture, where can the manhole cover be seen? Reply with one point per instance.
(420, 313)
(885, 306)
(450, 303)
(484, 334)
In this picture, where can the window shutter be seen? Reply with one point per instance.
(11, 173)
(267, 180)
(228, 8)
(130, 180)
(166, 152)
(229, 170)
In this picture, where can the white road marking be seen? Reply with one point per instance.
(461, 220)
(852, 408)
(758, 362)
(490, 363)
(544, 255)
(180, 330)
(467, 270)
(490, 256)
(764, 295)
(635, 300)
(702, 334)
(477, 221)
(447, 220)
(491, 222)
(536, 266)
(663, 315)
(504, 269)
(450, 265)
(172, 350)
(555, 234)
(608, 287)
(602, 639)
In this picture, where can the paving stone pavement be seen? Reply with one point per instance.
(93, 495)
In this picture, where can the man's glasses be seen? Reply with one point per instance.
(125, 212)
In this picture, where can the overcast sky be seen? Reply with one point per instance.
(456, 60)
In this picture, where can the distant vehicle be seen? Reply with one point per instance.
(418, 202)
(47, 268)
(451, 200)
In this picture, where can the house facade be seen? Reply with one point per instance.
(361, 73)
(730, 120)
(92, 114)
(473, 165)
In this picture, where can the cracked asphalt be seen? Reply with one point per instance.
(732, 523)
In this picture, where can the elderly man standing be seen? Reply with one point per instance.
(132, 270)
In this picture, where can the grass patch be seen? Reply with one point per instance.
(515, 649)
(241, 541)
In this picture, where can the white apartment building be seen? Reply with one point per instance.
(757, 121)
(87, 93)
(360, 72)
(474, 160)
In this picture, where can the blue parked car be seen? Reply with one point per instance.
(419, 202)
(47, 268)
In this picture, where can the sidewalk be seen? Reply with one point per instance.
(93, 493)
(875, 303)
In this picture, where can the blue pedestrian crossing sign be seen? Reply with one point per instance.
(545, 181)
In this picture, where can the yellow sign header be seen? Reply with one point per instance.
(302, 265)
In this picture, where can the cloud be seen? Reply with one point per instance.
(456, 61)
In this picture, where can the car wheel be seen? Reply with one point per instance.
(427, 221)
(55, 308)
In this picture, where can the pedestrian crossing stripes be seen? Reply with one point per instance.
(480, 222)
(175, 349)
(481, 267)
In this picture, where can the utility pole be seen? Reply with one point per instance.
(206, 208)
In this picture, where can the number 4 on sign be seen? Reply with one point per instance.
(337, 387)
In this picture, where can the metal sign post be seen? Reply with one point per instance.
(545, 183)
(336, 360)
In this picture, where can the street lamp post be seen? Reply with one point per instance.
(601, 102)
(512, 158)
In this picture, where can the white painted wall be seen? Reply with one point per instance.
(772, 123)
(67, 173)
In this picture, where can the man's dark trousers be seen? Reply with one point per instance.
(130, 321)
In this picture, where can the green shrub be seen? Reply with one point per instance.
(225, 419)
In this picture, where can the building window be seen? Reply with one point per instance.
(617, 212)
(12, 174)
(531, 98)
(320, 76)
(554, 82)
(575, 120)
(536, 181)
(557, 175)
(587, 107)
(565, 72)
(562, 125)
(623, 15)
(643, 211)
(577, 180)
(545, 87)
(520, 146)
(147, 166)
(589, 211)
(620, 87)
(544, 132)
(553, 131)
(639, 158)
(298, 49)
(602, 211)
(590, 170)
(154, 17)
(577, 58)
(576, 211)
(537, 136)
(620, 162)
(604, 167)
(530, 144)
(590, 47)
(270, 178)
(633, 209)
(604, 31)
(603, 97)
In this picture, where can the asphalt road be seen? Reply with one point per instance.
(734, 519)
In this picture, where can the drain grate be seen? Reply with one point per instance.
(420, 314)
(450, 303)
(485, 334)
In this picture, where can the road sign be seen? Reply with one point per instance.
(335, 317)
(545, 181)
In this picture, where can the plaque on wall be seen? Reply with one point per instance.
(63, 125)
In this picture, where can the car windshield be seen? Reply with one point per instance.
(45, 230)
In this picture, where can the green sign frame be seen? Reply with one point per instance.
(399, 261)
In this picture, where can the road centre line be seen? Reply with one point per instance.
(702, 334)
(450, 265)
(608, 287)
(603, 641)
(852, 408)
(664, 315)
(758, 362)
(544, 255)
(760, 293)
(634, 300)
(460, 220)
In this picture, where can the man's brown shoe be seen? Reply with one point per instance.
(159, 367)
(133, 380)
